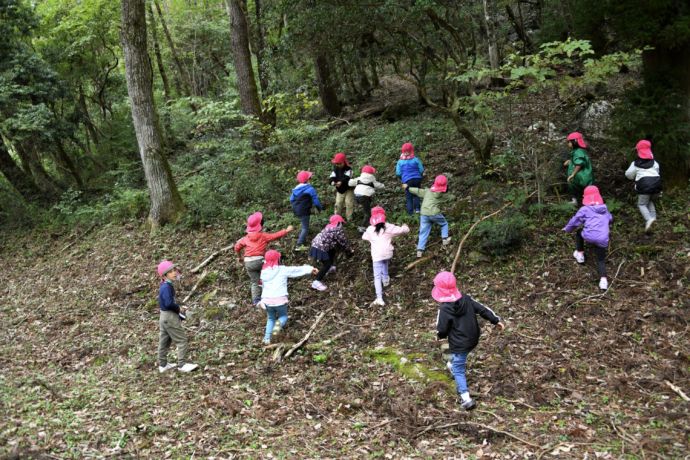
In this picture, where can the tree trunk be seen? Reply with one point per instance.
(490, 36)
(519, 26)
(327, 93)
(86, 118)
(482, 152)
(184, 78)
(64, 159)
(31, 164)
(239, 35)
(159, 58)
(166, 203)
(15, 176)
(269, 116)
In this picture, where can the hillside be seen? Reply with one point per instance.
(576, 374)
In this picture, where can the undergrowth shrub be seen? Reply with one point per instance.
(498, 237)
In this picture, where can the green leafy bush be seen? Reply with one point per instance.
(500, 237)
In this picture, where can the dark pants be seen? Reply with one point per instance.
(304, 231)
(326, 265)
(412, 202)
(576, 192)
(598, 251)
(365, 202)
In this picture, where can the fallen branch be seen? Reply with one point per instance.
(210, 258)
(480, 425)
(306, 337)
(603, 293)
(462, 241)
(78, 238)
(196, 285)
(416, 262)
(677, 390)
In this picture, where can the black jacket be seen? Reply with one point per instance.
(342, 175)
(458, 322)
(648, 184)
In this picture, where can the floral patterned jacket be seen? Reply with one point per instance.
(331, 238)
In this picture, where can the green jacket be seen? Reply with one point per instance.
(431, 201)
(584, 177)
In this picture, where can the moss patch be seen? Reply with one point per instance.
(405, 365)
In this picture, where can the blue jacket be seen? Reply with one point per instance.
(166, 297)
(303, 197)
(409, 169)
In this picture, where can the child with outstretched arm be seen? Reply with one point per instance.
(456, 320)
(432, 199)
(302, 199)
(254, 245)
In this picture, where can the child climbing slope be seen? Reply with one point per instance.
(645, 172)
(302, 199)
(410, 170)
(365, 186)
(340, 179)
(325, 247)
(579, 166)
(432, 199)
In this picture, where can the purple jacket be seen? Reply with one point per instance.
(596, 220)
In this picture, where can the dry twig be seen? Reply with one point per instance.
(677, 390)
(296, 346)
(479, 425)
(210, 258)
(196, 286)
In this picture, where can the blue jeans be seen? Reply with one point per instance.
(412, 202)
(273, 313)
(458, 362)
(425, 223)
(380, 273)
(302, 238)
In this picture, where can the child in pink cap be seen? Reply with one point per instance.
(410, 170)
(325, 247)
(274, 296)
(171, 330)
(432, 200)
(380, 234)
(579, 166)
(592, 222)
(645, 172)
(457, 321)
(254, 245)
(340, 179)
(302, 199)
(365, 186)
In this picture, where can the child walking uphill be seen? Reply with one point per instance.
(171, 330)
(456, 320)
(579, 166)
(254, 245)
(431, 214)
(340, 179)
(645, 172)
(380, 234)
(410, 170)
(594, 218)
(325, 247)
(365, 186)
(303, 197)
(274, 296)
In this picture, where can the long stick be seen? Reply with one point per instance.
(677, 390)
(479, 425)
(210, 258)
(306, 337)
(201, 279)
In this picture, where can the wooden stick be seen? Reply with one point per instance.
(479, 425)
(416, 262)
(306, 337)
(677, 390)
(210, 258)
(77, 239)
(199, 281)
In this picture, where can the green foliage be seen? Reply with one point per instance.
(498, 237)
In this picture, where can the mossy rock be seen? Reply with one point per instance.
(405, 365)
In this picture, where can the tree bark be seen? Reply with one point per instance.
(166, 203)
(32, 165)
(184, 78)
(15, 176)
(239, 35)
(490, 36)
(327, 93)
(64, 158)
(159, 58)
(269, 116)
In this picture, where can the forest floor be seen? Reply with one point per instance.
(577, 373)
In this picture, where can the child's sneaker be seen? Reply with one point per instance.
(579, 256)
(318, 285)
(573, 201)
(378, 303)
(420, 254)
(648, 224)
(386, 281)
(277, 328)
(446, 241)
(266, 341)
(167, 367)
(331, 270)
(188, 367)
(300, 248)
(603, 284)
(468, 405)
(449, 365)
(361, 229)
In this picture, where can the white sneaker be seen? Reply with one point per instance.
(378, 303)
(648, 225)
(446, 241)
(573, 201)
(420, 254)
(386, 281)
(189, 367)
(603, 284)
(261, 305)
(449, 365)
(318, 285)
(361, 229)
(277, 328)
(579, 256)
(331, 270)
(266, 342)
(167, 367)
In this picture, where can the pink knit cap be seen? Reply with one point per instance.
(440, 184)
(334, 220)
(445, 288)
(254, 222)
(271, 259)
(575, 136)
(592, 196)
(644, 150)
(303, 176)
(368, 169)
(164, 267)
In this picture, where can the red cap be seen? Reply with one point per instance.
(378, 218)
(445, 288)
(575, 136)
(339, 158)
(368, 169)
(440, 184)
(254, 222)
(271, 259)
(334, 220)
(407, 147)
(592, 196)
(644, 150)
(303, 176)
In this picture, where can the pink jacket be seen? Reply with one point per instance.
(381, 246)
